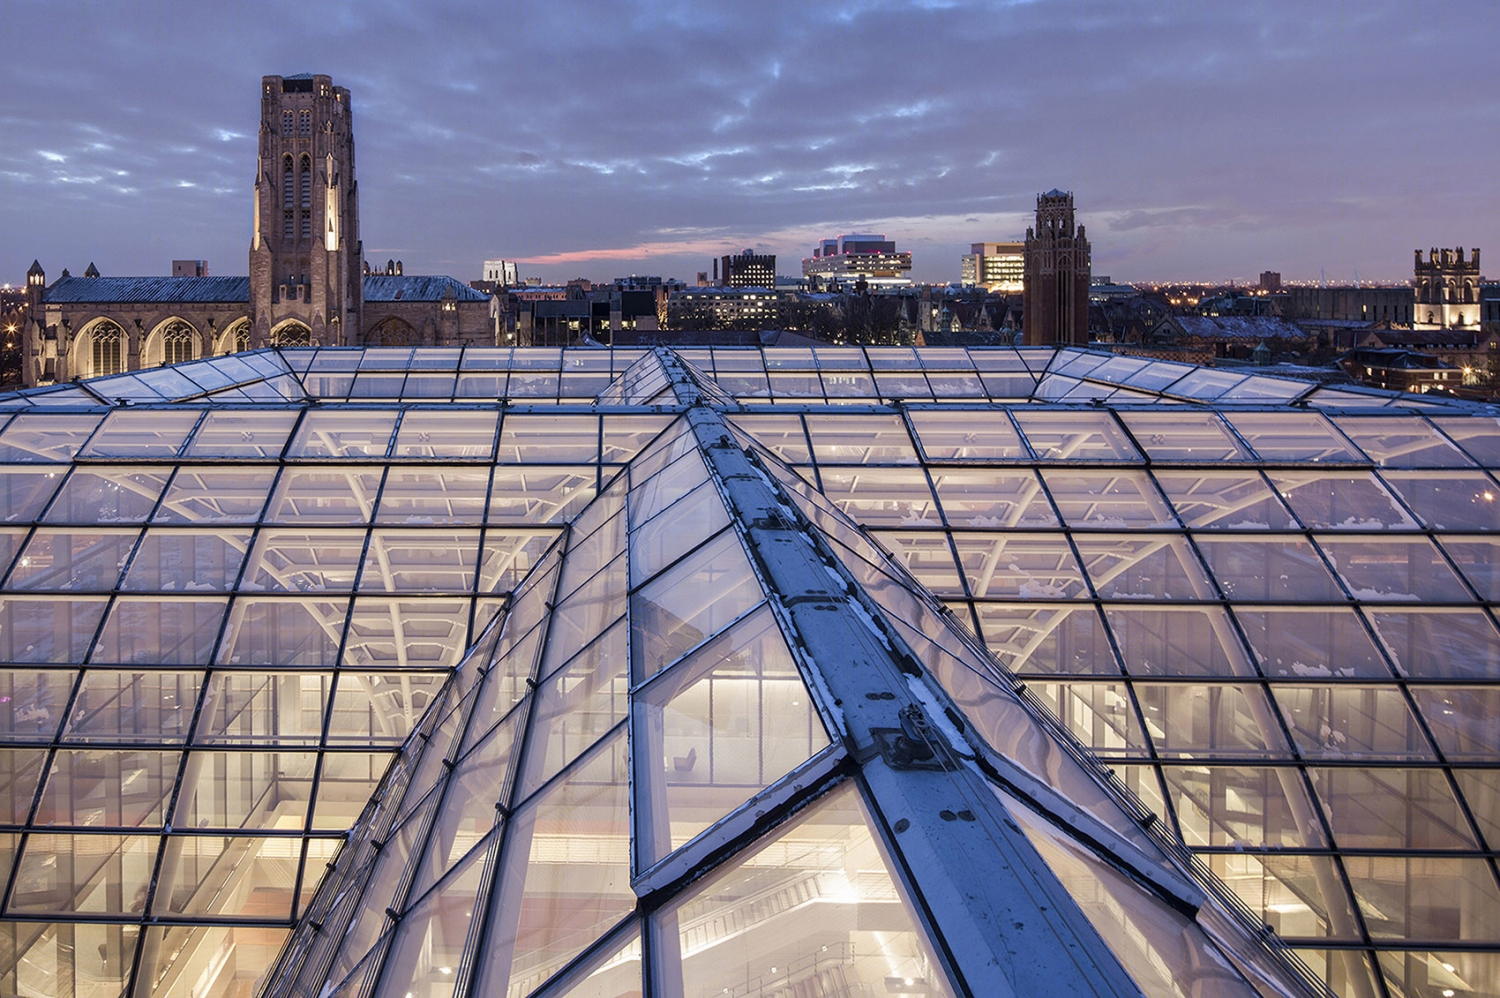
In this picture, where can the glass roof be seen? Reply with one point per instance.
(274, 614)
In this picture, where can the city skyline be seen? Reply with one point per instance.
(1202, 142)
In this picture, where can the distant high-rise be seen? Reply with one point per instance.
(1056, 298)
(849, 259)
(305, 261)
(995, 266)
(748, 270)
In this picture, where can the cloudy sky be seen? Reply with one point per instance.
(1202, 139)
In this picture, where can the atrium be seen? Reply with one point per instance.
(750, 672)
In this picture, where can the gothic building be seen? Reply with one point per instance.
(1447, 289)
(1056, 295)
(308, 282)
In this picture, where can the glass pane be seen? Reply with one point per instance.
(45, 436)
(145, 630)
(141, 433)
(541, 494)
(1312, 642)
(428, 494)
(47, 629)
(575, 706)
(187, 560)
(325, 495)
(1393, 568)
(927, 556)
(1391, 809)
(414, 632)
(24, 491)
(428, 947)
(682, 526)
(1351, 722)
(61, 560)
(216, 495)
(692, 601)
(715, 730)
(259, 708)
(1191, 720)
(780, 944)
(245, 790)
(1076, 436)
(246, 434)
(1070, 640)
(1293, 436)
(1224, 500)
(1177, 641)
(549, 439)
(1401, 442)
(991, 498)
(72, 872)
(107, 496)
(564, 880)
(1449, 500)
(985, 435)
(407, 561)
(108, 789)
(1184, 436)
(882, 497)
(1114, 500)
(1162, 567)
(144, 707)
(1268, 568)
(283, 632)
(1356, 501)
(1426, 897)
(438, 434)
(1462, 719)
(210, 875)
(860, 440)
(1240, 805)
(334, 433)
(1018, 565)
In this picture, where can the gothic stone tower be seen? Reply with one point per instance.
(1056, 294)
(305, 257)
(1447, 290)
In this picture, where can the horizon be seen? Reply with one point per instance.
(1222, 141)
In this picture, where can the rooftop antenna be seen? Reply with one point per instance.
(1322, 277)
(1356, 277)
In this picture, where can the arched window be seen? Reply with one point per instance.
(108, 349)
(304, 122)
(306, 182)
(178, 343)
(286, 182)
(293, 334)
(286, 123)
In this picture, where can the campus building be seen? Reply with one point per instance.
(831, 671)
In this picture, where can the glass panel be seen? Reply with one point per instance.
(439, 434)
(691, 602)
(991, 498)
(1393, 568)
(868, 439)
(1462, 719)
(47, 629)
(927, 556)
(1298, 896)
(575, 706)
(1112, 499)
(62, 560)
(107, 496)
(1268, 568)
(428, 947)
(1184, 436)
(1449, 500)
(552, 438)
(1191, 720)
(32, 702)
(1098, 714)
(1440, 644)
(1069, 640)
(325, 495)
(216, 495)
(259, 708)
(984, 435)
(564, 880)
(407, 561)
(46, 436)
(1401, 442)
(24, 491)
(1356, 501)
(46, 961)
(171, 560)
(617, 974)
(100, 874)
(778, 942)
(1075, 436)
(681, 527)
(141, 433)
(715, 730)
(1426, 897)
(1312, 642)
(1177, 641)
(1242, 806)
(335, 433)
(655, 490)
(1293, 436)
(540, 495)
(624, 436)
(245, 790)
(427, 494)
(283, 632)
(415, 632)
(304, 560)
(508, 557)
(1018, 565)
(383, 707)
(1351, 722)
(1144, 568)
(1425, 973)
(228, 876)
(147, 630)
(1224, 500)
(1391, 809)
(108, 789)
(144, 707)
(882, 497)
(243, 434)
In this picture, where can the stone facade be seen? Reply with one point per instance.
(1058, 264)
(308, 283)
(1447, 289)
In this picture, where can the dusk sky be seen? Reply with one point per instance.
(1202, 140)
